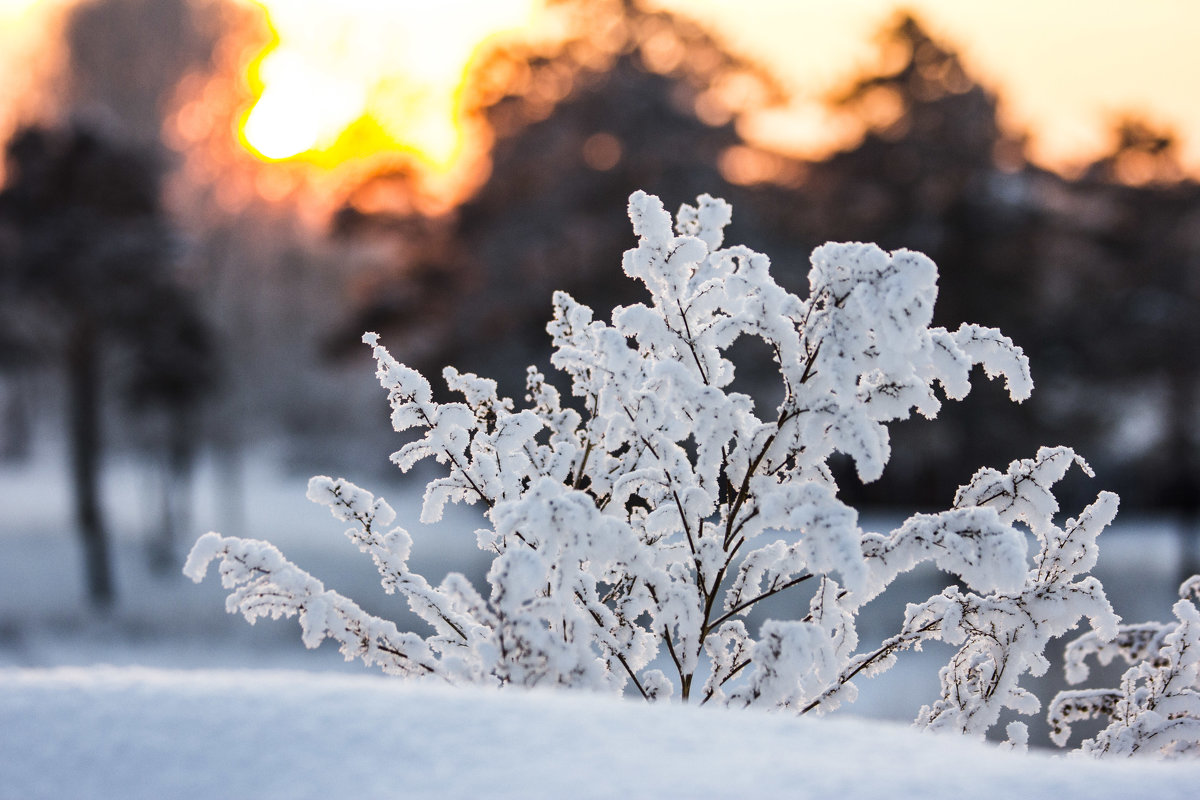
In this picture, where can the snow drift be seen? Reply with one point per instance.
(140, 733)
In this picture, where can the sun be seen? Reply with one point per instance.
(341, 81)
(301, 108)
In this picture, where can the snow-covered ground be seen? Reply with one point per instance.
(195, 703)
(134, 733)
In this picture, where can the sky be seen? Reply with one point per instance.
(1064, 69)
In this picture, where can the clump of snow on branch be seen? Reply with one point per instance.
(635, 527)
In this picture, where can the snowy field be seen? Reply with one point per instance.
(168, 696)
(133, 733)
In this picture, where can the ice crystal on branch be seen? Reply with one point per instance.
(631, 537)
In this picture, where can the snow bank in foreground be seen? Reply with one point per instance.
(136, 733)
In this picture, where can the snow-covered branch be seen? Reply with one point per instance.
(1156, 709)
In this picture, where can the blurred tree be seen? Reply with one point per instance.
(17, 362)
(126, 58)
(929, 173)
(1091, 276)
(922, 175)
(174, 366)
(87, 248)
(1141, 155)
(628, 99)
(1126, 313)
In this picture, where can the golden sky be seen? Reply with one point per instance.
(1064, 69)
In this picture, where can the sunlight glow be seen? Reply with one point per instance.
(344, 80)
(27, 61)
(301, 108)
(10, 9)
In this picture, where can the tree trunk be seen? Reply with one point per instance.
(83, 403)
(1181, 493)
(15, 435)
(176, 489)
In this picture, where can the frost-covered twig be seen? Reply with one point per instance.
(265, 584)
(1004, 635)
(1156, 709)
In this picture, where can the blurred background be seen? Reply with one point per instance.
(205, 203)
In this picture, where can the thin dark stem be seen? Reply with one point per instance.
(812, 360)
(587, 452)
(747, 603)
(685, 681)
(886, 649)
(1004, 492)
(742, 523)
(687, 529)
(674, 494)
(486, 500)
(736, 669)
(620, 657)
(744, 489)
(688, 330)
(633, 677)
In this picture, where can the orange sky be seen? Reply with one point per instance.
(1064, 68)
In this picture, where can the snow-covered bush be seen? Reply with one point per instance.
(632, 533)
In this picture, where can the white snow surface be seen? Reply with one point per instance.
(147, 733)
